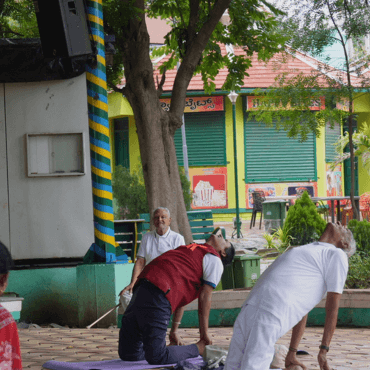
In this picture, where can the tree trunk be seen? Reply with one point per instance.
(356, 213)
(160, 167)
(155, 128)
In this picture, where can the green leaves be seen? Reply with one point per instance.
(18, 19)
(303, 223)
(361, 143)
(253, 26)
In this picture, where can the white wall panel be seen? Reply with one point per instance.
(4, 210)
(49, 216)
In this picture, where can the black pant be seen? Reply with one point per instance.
(144, 328)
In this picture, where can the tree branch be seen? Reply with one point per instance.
(192, 56)
(193, 19)
(160, 84)
(121, 90)
(178, 5)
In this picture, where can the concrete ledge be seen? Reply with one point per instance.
(354, 309)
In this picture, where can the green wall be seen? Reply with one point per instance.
(356, 317)
(50, 295)
(73, 296)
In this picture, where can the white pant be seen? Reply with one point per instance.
(252, 345)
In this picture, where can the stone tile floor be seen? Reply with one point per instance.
(350, 347)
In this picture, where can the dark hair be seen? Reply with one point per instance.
(230, 253)
(6, 261)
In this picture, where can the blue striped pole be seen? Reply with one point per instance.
(99, 141)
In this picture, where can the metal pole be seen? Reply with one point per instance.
(238, 223)
(99, 138)
(185, 149)
(184, 146)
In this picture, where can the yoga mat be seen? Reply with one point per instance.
(111, 365)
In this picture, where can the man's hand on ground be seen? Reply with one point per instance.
(291, 359)
(323, 362)
(127, 289)
(175, 339)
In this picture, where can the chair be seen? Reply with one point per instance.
(258, 199)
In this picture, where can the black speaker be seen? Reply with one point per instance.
(63, 28)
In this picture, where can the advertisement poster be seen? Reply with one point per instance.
(209, 186)
(334, 181)
(198, 104)
(279, 189)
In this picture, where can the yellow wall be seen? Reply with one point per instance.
(118, 106)
(363, 175)
(362, 103)
(230, 152)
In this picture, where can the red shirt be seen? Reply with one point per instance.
(178, 273)
(10, 353)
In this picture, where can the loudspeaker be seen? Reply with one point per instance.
(63, 28)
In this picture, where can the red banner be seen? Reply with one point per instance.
(198, 104)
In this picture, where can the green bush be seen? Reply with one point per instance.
(361, 233)
(303, 223)
(130, 194)
(185, 184)
(359, 272)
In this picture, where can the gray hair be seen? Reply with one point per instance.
(162, 208)
(350, 250)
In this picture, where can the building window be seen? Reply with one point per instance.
(55, 154)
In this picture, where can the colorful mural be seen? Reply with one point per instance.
(334, 180)
(279, 189)
(209, 187)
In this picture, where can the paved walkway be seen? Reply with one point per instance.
(349, 350)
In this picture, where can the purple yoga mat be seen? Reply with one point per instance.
(111, 365)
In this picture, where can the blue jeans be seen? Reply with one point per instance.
(144, 329)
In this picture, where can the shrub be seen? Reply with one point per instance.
(130, 194)
(361, 233)
(185, 184)
(303, 223)
(359, 272)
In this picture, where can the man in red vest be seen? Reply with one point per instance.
(165, 286)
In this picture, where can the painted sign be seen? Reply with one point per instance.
(344, 105)
(279, 189)
(253, 103)
(334, 181)
(209, 187)
(198, 104)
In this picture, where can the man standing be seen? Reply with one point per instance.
(166, 285)
(154, 243)
(285, 293)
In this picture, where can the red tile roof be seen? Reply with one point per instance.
(261, 74)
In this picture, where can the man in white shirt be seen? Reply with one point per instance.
(155, 243)
(285, 293)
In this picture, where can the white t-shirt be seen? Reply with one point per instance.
(153, 245)
(212, 270)
(298, 280)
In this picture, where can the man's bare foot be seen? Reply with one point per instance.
(201, 346)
